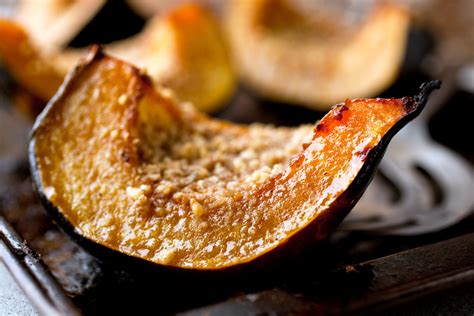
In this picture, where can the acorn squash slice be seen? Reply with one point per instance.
(183, 50)
(129, 168)
(313, 60)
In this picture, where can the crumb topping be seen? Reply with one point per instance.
(206, 166)
(196, 174)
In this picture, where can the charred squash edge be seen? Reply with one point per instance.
(294, 244)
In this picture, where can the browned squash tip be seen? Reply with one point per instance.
(54, 23)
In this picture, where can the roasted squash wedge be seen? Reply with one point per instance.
(121, 164)
(295, 57)
(183, 50)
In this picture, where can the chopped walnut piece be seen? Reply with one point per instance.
(122, 99)
(197, 208)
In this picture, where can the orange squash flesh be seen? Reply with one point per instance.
(133, 170)
(16, 52)
(183, 50)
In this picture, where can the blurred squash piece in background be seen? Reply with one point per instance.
(182, 49)
(290, 53)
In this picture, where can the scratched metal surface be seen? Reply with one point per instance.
(12, 300)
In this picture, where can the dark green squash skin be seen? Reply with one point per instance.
(316, 231)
